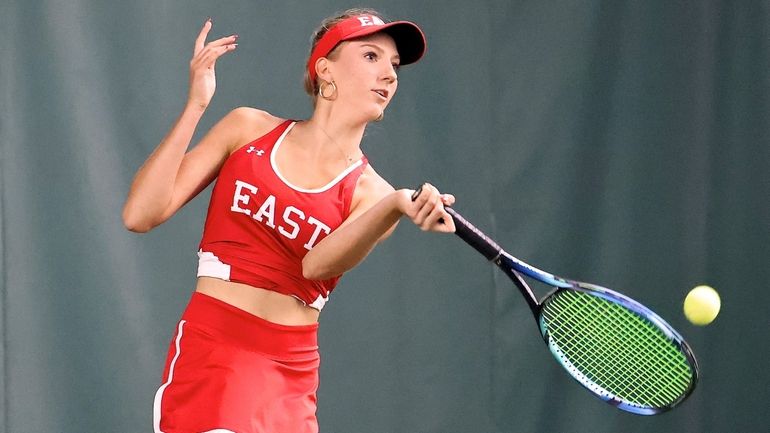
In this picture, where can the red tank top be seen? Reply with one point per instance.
(259, 226)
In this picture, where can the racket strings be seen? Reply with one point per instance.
(617, 360)
(609, 356)
(615, 351)
(616, 375)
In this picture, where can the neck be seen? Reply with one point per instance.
(342, 135)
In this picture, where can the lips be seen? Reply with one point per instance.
(382, 92)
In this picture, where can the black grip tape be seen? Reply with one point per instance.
(469, 233)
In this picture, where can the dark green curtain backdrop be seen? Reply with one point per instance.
(619, 142)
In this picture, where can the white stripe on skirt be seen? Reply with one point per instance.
(159, 394)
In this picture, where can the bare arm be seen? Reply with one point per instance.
(372, 221)
(171, 177)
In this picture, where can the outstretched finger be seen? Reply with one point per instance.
(216, 48)
(227, 40)
(200, 41)
(209, 57)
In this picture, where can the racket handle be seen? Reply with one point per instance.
(469, 233)
(474, 237)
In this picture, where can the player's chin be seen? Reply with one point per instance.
(376, 114)
(377, 111)
(376, 117)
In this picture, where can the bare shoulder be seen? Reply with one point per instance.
(254, 116)
(251, 123)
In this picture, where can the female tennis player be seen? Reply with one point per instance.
(294, 207)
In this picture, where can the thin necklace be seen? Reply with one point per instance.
(348, 158)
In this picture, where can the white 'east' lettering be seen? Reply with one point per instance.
(291, 225)
(242, 198)
(287, 219)
(267, 209)
(319, 226)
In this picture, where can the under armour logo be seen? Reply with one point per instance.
(253, 149)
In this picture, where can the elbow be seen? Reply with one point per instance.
(133, 223)
(312, 270)
(138, 228)
(311, 273)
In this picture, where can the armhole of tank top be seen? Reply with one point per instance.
(352, 180)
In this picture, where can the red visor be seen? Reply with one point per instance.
(410, 41)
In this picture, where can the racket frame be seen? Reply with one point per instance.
(514, 268)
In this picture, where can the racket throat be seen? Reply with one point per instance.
(523, 287)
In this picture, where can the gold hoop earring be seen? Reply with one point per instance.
(322, 90)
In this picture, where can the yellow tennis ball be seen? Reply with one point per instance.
(701, 305)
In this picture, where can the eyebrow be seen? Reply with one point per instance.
(397, 57)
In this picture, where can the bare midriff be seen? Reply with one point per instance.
(269, 305)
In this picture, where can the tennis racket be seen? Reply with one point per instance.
(618, 349)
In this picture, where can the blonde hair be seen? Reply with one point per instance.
(311, 86)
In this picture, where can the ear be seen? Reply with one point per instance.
(322, 69)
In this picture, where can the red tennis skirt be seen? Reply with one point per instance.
(228, 370)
